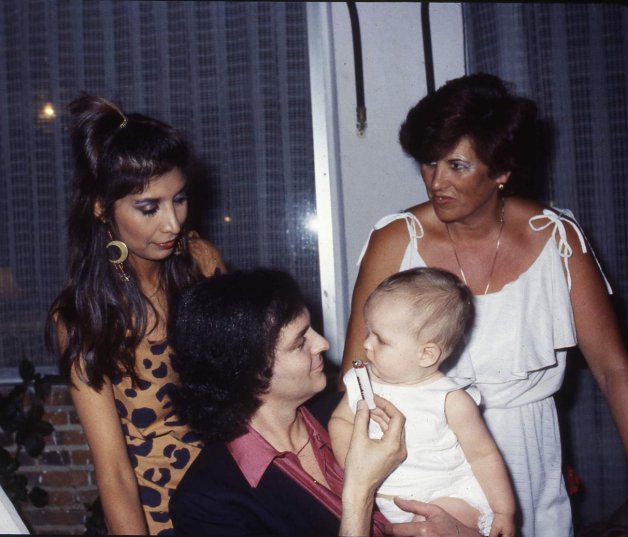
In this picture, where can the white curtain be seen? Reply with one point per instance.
(232, 75)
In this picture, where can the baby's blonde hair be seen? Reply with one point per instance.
(440, 303)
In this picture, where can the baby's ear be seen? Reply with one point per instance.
(429, 354)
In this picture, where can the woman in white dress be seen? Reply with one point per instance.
(537, 287)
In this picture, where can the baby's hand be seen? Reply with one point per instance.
(503, 525)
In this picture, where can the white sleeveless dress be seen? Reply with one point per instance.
(516, 356)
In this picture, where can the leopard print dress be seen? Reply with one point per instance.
(160, 448)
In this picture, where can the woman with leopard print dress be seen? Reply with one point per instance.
(131, 252)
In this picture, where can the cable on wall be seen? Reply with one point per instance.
(359, 75)
(427, 46)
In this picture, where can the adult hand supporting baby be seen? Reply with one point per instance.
(437, 522)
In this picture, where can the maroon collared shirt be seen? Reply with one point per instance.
(253, 455)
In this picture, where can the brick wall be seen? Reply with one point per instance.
(64, 470)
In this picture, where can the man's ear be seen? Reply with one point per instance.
(429, 354)
(99, 211)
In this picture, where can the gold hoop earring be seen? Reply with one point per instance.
(117, 252)
(122, 254)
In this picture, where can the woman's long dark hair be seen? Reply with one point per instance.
(98, 320)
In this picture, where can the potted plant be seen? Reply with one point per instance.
(21, 414)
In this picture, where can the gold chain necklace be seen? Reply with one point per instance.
(303, 447)
(152, 295)
(499, 237)
(154, 292)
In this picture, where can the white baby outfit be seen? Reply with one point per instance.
(516, 357)
(435, 466)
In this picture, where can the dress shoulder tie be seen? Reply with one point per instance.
(413, 225)
(557, 219)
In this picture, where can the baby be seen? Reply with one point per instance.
(415, 319)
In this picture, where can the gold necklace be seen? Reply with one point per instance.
(153, 293)
(303, 447)
(499, 237)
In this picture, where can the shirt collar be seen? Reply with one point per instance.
(318, 434)
(253, 454)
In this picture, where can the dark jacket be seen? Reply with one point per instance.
(214, 498)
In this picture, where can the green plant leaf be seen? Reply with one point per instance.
(20, 494)
(20, 436)
(13, 466)
(43, 428)
(35, 412)
(29, 429)
(19, 481)
(5, 457)
(38, 497)
(27, 370)
(43, 387)
(8, 463)
(34, 444)
(13, 416)
(17, 390)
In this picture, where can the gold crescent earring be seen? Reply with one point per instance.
(123, 252)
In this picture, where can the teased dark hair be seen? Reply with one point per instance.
(442, 309)
(102, 319)
(224, 332)
(502, 126)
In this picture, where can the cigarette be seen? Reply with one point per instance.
(364, 382)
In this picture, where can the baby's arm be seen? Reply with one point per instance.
(340, 429)
(464, 419)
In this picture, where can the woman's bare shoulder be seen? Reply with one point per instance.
(523, 243)
(424, 213)
(524, 208)
(388, 240)
(394, 235)
(518, 213)
(422, 210)
(521, 211)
